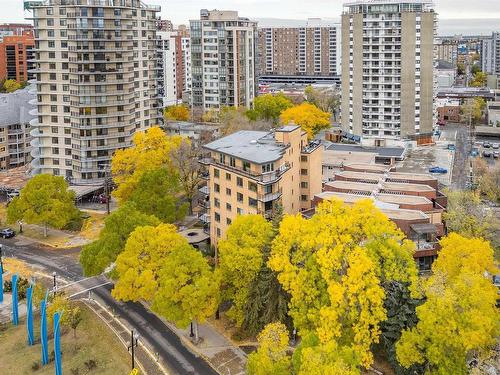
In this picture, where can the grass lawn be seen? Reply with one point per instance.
(94, 341)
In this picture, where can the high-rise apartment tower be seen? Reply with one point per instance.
(223, 60)
(388, 71)
(96, 73)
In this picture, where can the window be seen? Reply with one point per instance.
(217, 217)
(252, 202)
(216, 202)
(239, 181)
(252, 186)
(303, 158)
(239, 197)
(228, 176)
(239, 211)
(268, 167)
(216, 173)
(228, 221)
(303, 185)
(218, 232)
(228, 191)
(303, 172)
(222, 158)
(303, 198)
(217, 188)
(246, 166)
(232, 162)
(228, 206)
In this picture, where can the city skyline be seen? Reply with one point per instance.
(180, 12)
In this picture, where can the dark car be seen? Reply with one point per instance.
(487, 154)
(7, 233)
(439, 170)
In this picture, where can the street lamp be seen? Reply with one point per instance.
(133, 344)
(55, 283)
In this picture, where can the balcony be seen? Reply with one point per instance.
(269, 197)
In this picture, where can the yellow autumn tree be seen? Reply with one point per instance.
(459, 317)
(240, 259)
(11, 85)
(271, 357)
(310, 118)
(333, 265)
(176, 113)
(151, 150)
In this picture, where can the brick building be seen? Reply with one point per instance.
(15, 53)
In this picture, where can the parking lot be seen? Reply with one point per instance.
(488, 149)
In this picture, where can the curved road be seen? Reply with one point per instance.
(152, 329)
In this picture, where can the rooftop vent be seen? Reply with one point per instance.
(253, 142)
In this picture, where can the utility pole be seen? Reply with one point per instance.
(132, 346)
(54, 282)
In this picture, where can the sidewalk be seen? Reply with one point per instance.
(218, 351)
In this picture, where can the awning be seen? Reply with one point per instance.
(426, 228)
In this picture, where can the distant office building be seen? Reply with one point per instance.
(16, 53)
(96, 73)
(388, 71)
(17, 110)
(250, 172)
(490, 54)
(223, 61)
(447, 51)
(175, 66)
(164, 25)
(310, 51)
(14, 29)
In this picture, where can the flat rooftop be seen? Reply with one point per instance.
(354, 186)
(258, 147)
(411, 176)
(375, 168)
(403, 199)
(406, 187)
(367, 187)
(387, 152)
(375, 177)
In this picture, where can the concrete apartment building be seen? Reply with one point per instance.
(16, 52)
(223, 61)
(312, 51)
(447, 50)
(490, 54)
(388, 71)
(412, 201)
(251, 171)
(17, 110)
(174, 54)
(96, 79)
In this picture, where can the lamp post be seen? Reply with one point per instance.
(133, 344)
(54, 282)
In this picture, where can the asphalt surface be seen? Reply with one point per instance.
(161, 339)
(461, 167)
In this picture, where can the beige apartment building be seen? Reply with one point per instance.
(388, 71)
(96, 72)
(250, 172)
(312, 50)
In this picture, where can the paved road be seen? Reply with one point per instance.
(162, 340)
(461, 167)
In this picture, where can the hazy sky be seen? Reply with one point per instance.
(180, 11)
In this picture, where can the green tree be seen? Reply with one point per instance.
(460, 69)
(479, 79)
(157, 193)
(310, 118)
(334, 265)
(98, 255)
(45, 200)
(326, 100)
(240, 259)
(158, 265)
(271, 357)
(269, 107)
(458, 319)
(11, 85)
(176, 113)
(475, 69)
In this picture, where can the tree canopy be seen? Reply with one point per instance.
(44, 200)
(98, 255)
(269, 107)
(458, 318)
(326, 100)
(333, 265)
(178, 112)
(479, 79)
(11, 85)
(310, 118)
(159, 265)
(151, 150)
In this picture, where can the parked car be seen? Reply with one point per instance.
(486, 154)
(103, 199)
(496, 280)
(439, 170)
(496, 146)
(474, 152)
(486, 145)
(496, 154)
(7, 233)
(451, 147)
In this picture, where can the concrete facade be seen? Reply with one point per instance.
(96, 76)
(388, 71)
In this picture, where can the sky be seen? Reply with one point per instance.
(180, 11)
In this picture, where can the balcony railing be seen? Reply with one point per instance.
(269, 197)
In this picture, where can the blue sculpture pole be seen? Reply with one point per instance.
(15, 311)
(1, 283)
(57, 343)
(43, 331)
(29, 317)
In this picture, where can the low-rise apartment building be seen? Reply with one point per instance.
(412, 201)
(250, 172)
